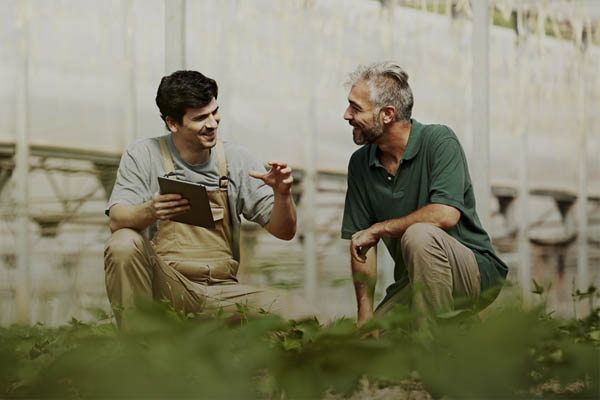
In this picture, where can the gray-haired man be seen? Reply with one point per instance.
(409, 185)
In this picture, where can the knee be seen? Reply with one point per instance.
(419, 238)
(123, 244)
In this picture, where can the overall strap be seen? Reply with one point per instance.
(166, 156)
(222, 163)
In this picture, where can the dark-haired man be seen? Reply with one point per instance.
(148, 255)
(409, 185)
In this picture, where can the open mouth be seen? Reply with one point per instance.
(210, 135)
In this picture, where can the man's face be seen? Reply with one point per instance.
(360, 114)
(199, 126)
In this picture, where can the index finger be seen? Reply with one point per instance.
(166, 197)
(354, 253)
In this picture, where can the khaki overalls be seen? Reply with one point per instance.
(194, 268)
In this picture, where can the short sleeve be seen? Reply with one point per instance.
(132, 184)
(256, 199)
(357, 215)
(448, 174)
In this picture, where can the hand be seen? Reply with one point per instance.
(279, 177)
(166, 206)
(363, 241)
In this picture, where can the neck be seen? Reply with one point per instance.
(393, 143)
(191, 154)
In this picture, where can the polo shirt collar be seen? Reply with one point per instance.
(412, 147)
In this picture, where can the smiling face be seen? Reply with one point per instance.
(198, 128)
(362, 116)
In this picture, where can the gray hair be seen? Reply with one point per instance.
(388, 86)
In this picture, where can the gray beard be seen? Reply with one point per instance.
(369, 135)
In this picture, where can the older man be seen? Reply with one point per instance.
(409, 185)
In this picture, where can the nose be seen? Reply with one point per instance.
(348, 114)
(213, 121)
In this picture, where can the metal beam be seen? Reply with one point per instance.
(23, 284)
(310, 179)
(582, 217)
(174, 35)
(480, 110)
(129, 98)
(521, 105)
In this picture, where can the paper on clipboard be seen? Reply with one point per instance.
(199, 213)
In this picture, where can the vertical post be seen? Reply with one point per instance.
(22, 295)
(310, 184)
(521, 105)
(130, 117)
(480, 95)
(174, 35)
(582, 234)
(308, 209)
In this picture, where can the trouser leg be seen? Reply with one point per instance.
(443, 273)
(440, 268)
(133, 271)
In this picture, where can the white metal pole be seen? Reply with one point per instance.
(582, 234)
(308, 210)
(23, 289)
(480, 96)
(523, 116)
(130, 117)
(310, 183)
(174, 35)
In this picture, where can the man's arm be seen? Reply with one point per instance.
(139, 217)
(282, 222)
(364, 275)
(440, 215)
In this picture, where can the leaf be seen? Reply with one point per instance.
(556, 356)
(594, 335)
(538, 288)
(453, 314)
(291, 343)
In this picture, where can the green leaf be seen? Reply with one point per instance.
(538, 288)
(557, 356)
(291, 343)
(594, 335)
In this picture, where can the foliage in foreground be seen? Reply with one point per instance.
(166, 355)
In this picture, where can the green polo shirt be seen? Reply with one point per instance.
(433, 169)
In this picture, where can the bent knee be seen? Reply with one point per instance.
(123, 243)
(419, 236)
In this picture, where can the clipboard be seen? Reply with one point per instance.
(199, 213)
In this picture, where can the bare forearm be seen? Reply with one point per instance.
(282, 223)
(136, 217)
(440, 215)
(364, 276)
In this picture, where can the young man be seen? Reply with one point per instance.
(148, 255)
(409, 185)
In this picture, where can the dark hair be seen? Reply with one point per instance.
(182, 90)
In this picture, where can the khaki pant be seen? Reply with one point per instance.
(134, 270)
(443, 273)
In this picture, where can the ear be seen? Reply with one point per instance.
(389, 114)
(172, 125)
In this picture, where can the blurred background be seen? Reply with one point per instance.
(518, 81)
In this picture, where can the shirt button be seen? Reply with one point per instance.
(389, 178)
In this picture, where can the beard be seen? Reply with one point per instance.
(370, 134)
